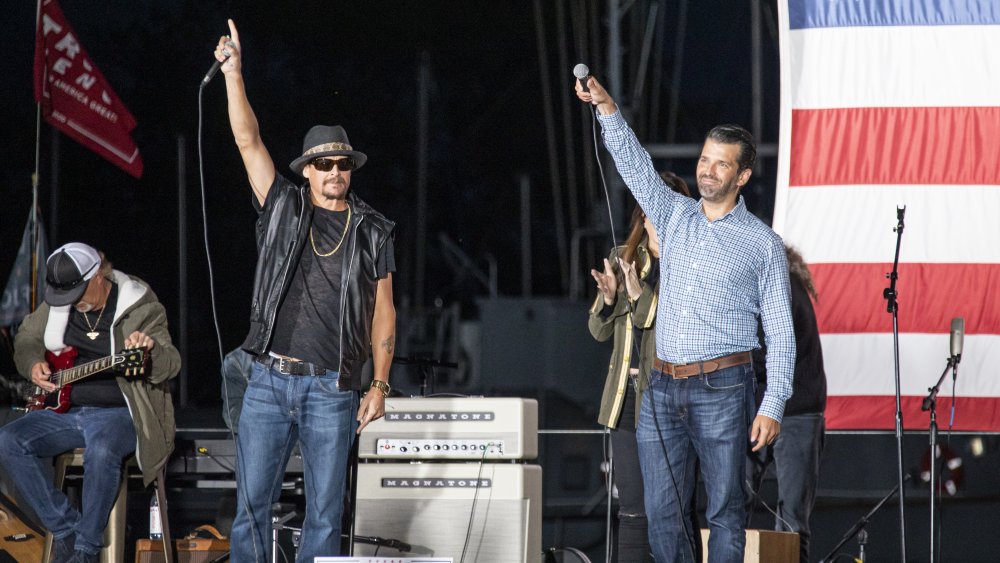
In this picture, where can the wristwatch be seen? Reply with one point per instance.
(381, 386)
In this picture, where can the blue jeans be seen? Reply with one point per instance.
(704, 417)
(108, 436)
(277, 409)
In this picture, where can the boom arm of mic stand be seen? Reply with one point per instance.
(860, 524)
(407, 360)
(384, 542)
(932, 396)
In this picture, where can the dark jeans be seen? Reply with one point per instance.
(796, 464)
(108, 436)
(633, 542)
(707, 417)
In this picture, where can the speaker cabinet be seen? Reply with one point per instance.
(488, 512)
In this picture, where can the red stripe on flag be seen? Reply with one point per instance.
(878, 412)
(930, 295)
(895, 145)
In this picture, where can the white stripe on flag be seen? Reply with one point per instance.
(943, 224)
(862, 364)
(896, 66)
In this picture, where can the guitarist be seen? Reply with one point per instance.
(93, 311)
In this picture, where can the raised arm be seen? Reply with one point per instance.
(633, 162)
(260, 167)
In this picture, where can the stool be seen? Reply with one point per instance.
(114, 533)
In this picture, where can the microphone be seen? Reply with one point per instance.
(216, 66)
(957, 334)
(583, 73)
(398, 545)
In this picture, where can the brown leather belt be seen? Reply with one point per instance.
(682, 371)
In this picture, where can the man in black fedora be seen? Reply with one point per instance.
(322, 304)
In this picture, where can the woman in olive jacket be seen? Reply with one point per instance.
(625, 308)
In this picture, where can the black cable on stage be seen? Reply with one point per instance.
(204, 226)
(475, 498)
(215, 317)
(636, 346)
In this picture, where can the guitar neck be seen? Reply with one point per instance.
(81, 371)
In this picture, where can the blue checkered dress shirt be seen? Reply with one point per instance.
(716, 277)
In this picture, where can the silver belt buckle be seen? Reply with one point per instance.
(283, 366)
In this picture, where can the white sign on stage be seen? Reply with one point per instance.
(383, 560)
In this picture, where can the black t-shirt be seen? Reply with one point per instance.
(308, 323)
(99, 389)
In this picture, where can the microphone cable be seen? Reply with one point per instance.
(215, 316)
(637, 350)
(475, 499)
(762, 502)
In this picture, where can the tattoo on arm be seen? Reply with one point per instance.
(388, 344)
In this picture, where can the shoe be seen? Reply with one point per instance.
(84, 557)
(62, 548)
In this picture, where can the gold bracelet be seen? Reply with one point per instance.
(381, 386)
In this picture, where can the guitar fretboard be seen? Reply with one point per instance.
(70, 375)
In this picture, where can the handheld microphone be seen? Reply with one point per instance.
(582, 73)
(957, 335)
(216, 66)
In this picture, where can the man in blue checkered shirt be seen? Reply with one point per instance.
(721, 269)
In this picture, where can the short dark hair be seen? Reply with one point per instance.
(730, 134)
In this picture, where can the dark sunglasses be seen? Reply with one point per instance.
(327, 164)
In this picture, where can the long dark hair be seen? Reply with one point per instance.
(798, 268)
(637, 231)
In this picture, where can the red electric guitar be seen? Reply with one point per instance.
(132, 362)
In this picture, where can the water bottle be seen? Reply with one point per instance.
(155, 528)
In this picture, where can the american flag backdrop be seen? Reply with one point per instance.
(887, 103)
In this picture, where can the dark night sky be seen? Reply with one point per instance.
(330, 62)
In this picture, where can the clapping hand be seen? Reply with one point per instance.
(632, 285)
(607, 283)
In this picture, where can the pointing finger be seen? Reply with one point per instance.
(233, 33)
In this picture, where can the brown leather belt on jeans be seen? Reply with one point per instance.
(681, 371)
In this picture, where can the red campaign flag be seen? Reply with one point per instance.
(75, 97)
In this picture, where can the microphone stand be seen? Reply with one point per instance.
(426, 367)
(858, 529)
(930, 404)
(893, 308)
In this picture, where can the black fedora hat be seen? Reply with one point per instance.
(326, 140)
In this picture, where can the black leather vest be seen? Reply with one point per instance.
(282, 230)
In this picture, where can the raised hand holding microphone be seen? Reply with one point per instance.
(595, 94)
(227, 54)
(582, 73)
